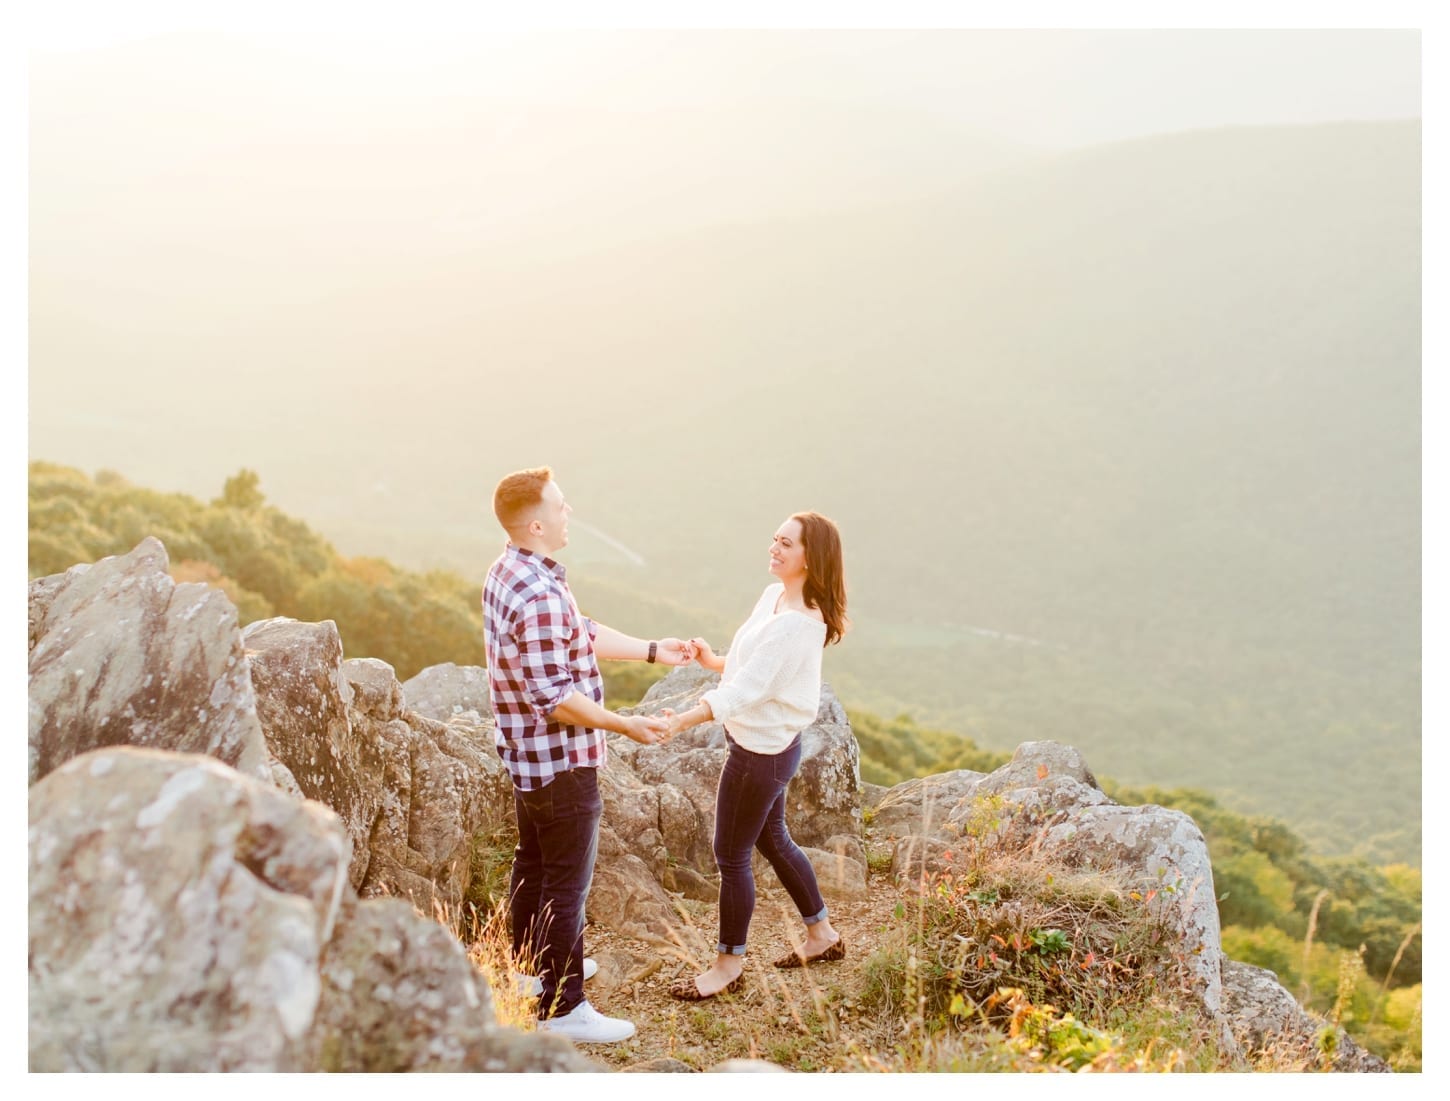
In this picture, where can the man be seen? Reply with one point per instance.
(547, 695)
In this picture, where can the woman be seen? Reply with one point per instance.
(769, 692)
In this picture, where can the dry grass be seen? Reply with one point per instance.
(1005, 962)
(485, 938)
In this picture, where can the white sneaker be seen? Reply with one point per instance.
(531, 986)
(586, 1025)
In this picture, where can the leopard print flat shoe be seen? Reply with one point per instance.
(835, 952)
(686, 990)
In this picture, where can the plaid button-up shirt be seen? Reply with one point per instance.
(540, 649)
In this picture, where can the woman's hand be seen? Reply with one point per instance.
(706, 656)
(674, 723)
(678, 723)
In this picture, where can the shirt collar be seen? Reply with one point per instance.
(555, 568)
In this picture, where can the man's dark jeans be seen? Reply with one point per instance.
(553, 867)
(750, 813)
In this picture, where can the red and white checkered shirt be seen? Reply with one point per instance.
(540, 649)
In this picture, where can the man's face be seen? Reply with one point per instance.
(552, 519)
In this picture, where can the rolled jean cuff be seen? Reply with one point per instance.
(730, 949)
(813, 919)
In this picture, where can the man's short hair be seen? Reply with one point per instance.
(518, 494)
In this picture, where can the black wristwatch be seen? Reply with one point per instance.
(653, 646)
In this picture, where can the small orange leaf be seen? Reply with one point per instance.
(999, 940)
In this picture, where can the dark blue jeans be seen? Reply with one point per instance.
(750, 813)
(553, 867)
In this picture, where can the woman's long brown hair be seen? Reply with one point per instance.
(825, 586)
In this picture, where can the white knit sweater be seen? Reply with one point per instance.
(771, 688)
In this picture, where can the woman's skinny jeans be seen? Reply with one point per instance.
(750, 813)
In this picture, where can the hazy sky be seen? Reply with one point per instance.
(1038, 87)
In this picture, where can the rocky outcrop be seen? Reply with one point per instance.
(1266, 1020)
(1047, 800)
(922, 806)
(411, 792)
(184, 917)
(399, 994)
(214, 814)
(1163, 854)
(443, 691)
(178, 913)
(122, 655)
(1049, 796)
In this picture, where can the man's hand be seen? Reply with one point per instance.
(674, 651)
(646, 729)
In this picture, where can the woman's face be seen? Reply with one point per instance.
(787, 554)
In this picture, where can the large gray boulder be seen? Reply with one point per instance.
(1163, 854)
(922, 806)
(1034, 762)
(184, 917)
(122, 655)
(443, 691)
(1047, 799)
(1266, 1020)
(412, 793)
(398, 994)
(178, 914)
(1042, 780)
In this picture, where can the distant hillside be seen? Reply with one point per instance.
(1152, 406)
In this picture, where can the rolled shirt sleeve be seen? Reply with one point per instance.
(544, 633)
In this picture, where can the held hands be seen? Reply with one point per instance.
(706, 656)
(684, 720)
(674, 651)
(659, 729)
(647, 729)
(675, 722)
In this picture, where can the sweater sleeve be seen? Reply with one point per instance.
(773, 662)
